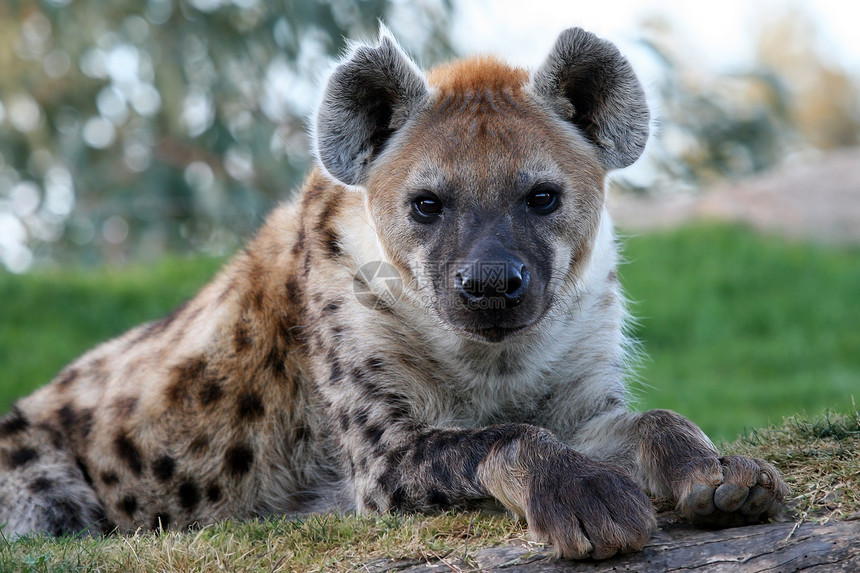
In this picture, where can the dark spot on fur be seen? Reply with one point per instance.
(437, 498)
(13, 423)
(67, 377)
(210, 392)
(189, 495)
(303, 433)
(238, 459)
(22, 457)
(373, 434)
(361, 417)
(371, 505)
(241, 337)
(331, 306)
(124, 407)
(182, 376)
(336, 370)
(128, 505)
(275, 361)
(109, 478)
(76, 422)
(85, 471)
(40, 485)
(213, 492)
(375, 363)
(199, 444)
(398, 497)
(127, 451)
(331, 243)
(612, 276)
(161, 521)
(299, 244)
(163, 467)
(250, 406)
(344, 421)
(293, 292)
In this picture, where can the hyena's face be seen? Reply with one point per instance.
(484, 182)
(490, 203)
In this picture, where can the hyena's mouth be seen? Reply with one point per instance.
(497, 333)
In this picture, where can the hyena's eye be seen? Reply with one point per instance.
(543, 199)
(426, 208)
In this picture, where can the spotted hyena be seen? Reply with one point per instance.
(435, 321)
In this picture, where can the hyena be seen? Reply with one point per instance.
(493, 373)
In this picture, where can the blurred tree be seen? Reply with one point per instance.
(716, 125)
(130, 127)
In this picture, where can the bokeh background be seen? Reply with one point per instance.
(141, 142)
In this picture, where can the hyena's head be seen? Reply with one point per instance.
(484, 183)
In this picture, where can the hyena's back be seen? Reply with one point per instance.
(196, 417)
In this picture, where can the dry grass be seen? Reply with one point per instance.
(820, 459)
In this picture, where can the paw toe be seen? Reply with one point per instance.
(730, 496)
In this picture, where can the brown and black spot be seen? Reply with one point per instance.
(84, 469)
(13, 423)
(213, 492)
(210, 391)
(128, 452)
(330, 241)
(332, 306)
(109, 478)
(238, 459)
(21, 457)
(612, 277)
(242, 341)
(299, 244)
(124, 407)
(128, 505)
(67, 377)
(182, 377)
(189, 495)
(77, 423)
(163, 468)
(40, 485)
(249, 406)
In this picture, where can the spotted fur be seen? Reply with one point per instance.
(299, 381)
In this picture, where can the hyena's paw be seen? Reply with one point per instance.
(732, 491)
(588, 510)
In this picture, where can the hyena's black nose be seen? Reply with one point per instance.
(492, 284)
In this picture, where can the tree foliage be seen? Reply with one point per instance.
(130, 127)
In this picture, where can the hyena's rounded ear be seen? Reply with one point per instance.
(592, 85)
(367, 97)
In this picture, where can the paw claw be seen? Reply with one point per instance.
(702, 499)
(730, 496)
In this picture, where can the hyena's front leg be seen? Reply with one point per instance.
(678, 461)
(585, 508)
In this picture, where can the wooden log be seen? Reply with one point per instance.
(677, 548)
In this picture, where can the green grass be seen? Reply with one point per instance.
(743, 330)
(740, 330)
(48, 318)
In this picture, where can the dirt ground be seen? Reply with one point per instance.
(814, 198)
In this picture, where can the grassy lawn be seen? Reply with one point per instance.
(739, 330)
